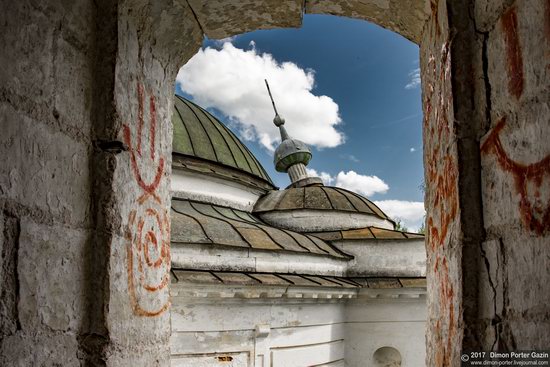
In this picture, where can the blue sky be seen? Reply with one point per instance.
(369, 122)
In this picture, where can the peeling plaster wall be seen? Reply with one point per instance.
(384, 257)
(209, 189)
(286, 332)
(307, 220)
(46, 80)
(406, 17)
(485, 75)
(399, 324)
(78, 83)
(444, 336)
(515, 164)
(86, 92)
(298, 333)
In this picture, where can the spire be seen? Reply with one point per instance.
(292, 155)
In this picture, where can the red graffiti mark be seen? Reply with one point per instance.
(135, 152)
(441, 168)
(148, 233)
(140, 118)
(445, 204)
(514, 57)
(534, 218)
(445, 296)
(145, 272)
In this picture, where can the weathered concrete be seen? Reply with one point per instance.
(202, 257)
(488, 228)
(442, 197)
(221, 19)
(209, 189)
(515, 160)
(306, 220)
(213, 322)
(406, 17)
(69, 92)
(45, 101)
(384, 257)
(73, 77)
(137, 180)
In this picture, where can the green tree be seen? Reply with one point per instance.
(399, 226)
(422, 229)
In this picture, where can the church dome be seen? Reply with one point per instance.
(199, 135)
(320, 208)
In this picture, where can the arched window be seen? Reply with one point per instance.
(386, 357)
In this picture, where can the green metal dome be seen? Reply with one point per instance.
(290, 152)
(197, 133)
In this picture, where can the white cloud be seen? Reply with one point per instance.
(325, 177)
(351, 180)
(414, 76)
(232, 81)
(362, 184)
(350, 157)
(413, 150)
(411, 213)
(220, 43)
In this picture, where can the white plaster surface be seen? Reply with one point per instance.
(323, 220)
(200, 257)
(191, 185)
(397, 258)
(300, 332)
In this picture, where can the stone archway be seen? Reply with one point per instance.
(102, 94)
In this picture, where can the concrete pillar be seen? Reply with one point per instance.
(515, 175)
(444, 334)
(485, 91)
(86, 101)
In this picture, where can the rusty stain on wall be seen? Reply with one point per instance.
(441, 166)
(224, 358)
(135, 152)
(148, 232)
(509, 22)
(535, 216)
(445, 296)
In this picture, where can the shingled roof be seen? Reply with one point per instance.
(317, 198)
(201, 223)
(367, 233)
(198, 134)
(299, 280)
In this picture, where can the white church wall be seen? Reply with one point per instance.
(243, 327)
(220, 258)
(306, 220)
(256, 332)
(376, 323)
(388, 258)
(206, 188)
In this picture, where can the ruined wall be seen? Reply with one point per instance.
(442, 201)
(136, 212)
(515, 161)
(85, 101)
(85, 96)
(485, 95)
(46, 79)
